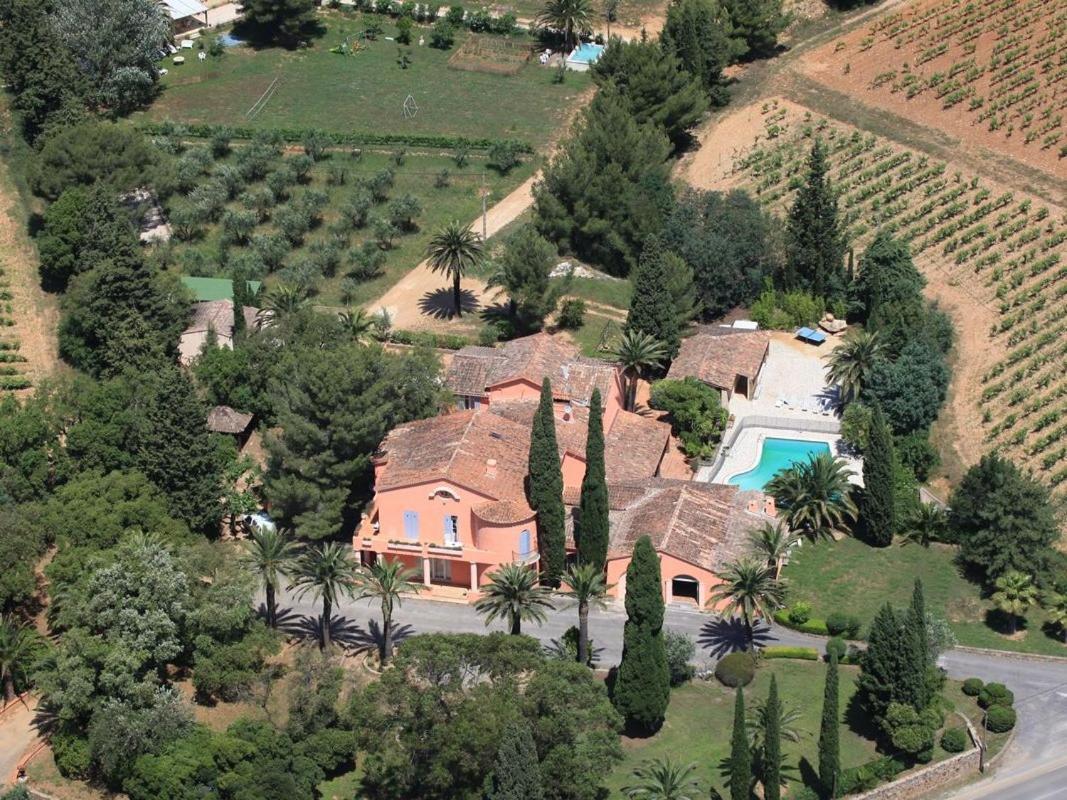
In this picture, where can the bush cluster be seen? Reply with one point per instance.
(840, 624)
(736, 669)
(1000, 719)
(954, 740)
(444, 341)
(972, 686)
(867, 776)
(812, 625)
(995, 694)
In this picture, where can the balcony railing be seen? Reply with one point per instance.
(408, 547)
(526, 558)
(447, 549)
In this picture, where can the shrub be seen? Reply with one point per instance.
(443, 179)
(443, 34)
(814, 625)
(680, 651)
(995, 694)
(840, 624)
(72, 755)
(836, 646)
(736, 669)
(954, 740)
(855, 426)
(505, 156)
(571, 314)
(782, 651)
(917, 454)
(972, 686)
(1000, 719)
(800, 613)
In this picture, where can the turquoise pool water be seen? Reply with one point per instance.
(586, 53)
(776, 455)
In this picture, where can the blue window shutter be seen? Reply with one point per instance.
(411, 525)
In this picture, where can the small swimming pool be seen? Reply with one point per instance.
(584, 55)
(776, 455)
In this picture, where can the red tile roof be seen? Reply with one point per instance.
(474, 370)
(718, 355)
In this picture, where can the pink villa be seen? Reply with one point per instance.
(450, 496)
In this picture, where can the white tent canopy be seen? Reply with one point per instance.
(180, 9)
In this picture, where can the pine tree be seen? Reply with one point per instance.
(516, 773)
(282, 20)
(591, 530)
(815, 245)
(175, 450)
(772, 744)
(652, 308)
(546, 490)
(878, 504)
(829, 741)
(642, 685)
(740, 757)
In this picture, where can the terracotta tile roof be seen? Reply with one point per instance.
(704, 524)
(717, 355)
(218, 315)
(476, 449)
(223, 419)
(532, 358)
(503, 512)
(633, 447)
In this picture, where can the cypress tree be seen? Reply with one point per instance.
(879, 509)
(918, 675)
(546, 490)
(591, 530)
(239, 286)
(740, 757)
(642, 684)
(829, 742)
(516, 773)
(772, 744)
(887, 671)
(652, 308)
(815, 243)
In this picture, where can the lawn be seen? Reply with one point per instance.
(854, 576)
(417, 176)
(366, 92)
(596, 336)
(700, 718)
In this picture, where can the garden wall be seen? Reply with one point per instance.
(923, 782)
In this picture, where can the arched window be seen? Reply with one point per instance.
(446, 491)
(525, 545)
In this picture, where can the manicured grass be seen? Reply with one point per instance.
(700, 718)
(615, 293)
(852, 576)
(365, 92)
(343, 787)
(591, 334)
(459, 200)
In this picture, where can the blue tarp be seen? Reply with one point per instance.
(810, 335)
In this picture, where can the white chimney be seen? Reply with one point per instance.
(490, 468)
(567, 411)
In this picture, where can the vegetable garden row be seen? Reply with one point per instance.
(12, 362)
(1005, 250)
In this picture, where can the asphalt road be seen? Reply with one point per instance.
(1035, 768)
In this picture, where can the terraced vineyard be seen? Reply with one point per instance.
(991, 72)
(12, 362)
(1005, 250)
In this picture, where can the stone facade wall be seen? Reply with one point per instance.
(923, 782)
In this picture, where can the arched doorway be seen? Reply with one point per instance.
(684, 587)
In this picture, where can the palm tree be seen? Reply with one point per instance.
(281, 301)
(327, 572)
(1014, 595)
(851, 362)
(571, 17)
(611, 14)
(661, 779)
(586, 587)
(1056, 609)
(925, 525)
(756, 723)
(638, 352)
(815, 495)
(269, 553)
(19, 648)
(513, 593)
(356, 323)
(773, 541)
(387, 581)
(749, 588)
(452, 251)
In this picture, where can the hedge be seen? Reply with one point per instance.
(203, 130)
(443, 341)
(814, 625)
(783, 651)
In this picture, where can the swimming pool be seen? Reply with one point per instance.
(776, 455)
(584, 55)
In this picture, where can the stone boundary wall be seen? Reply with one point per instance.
(923, 782)
(1013, 654)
